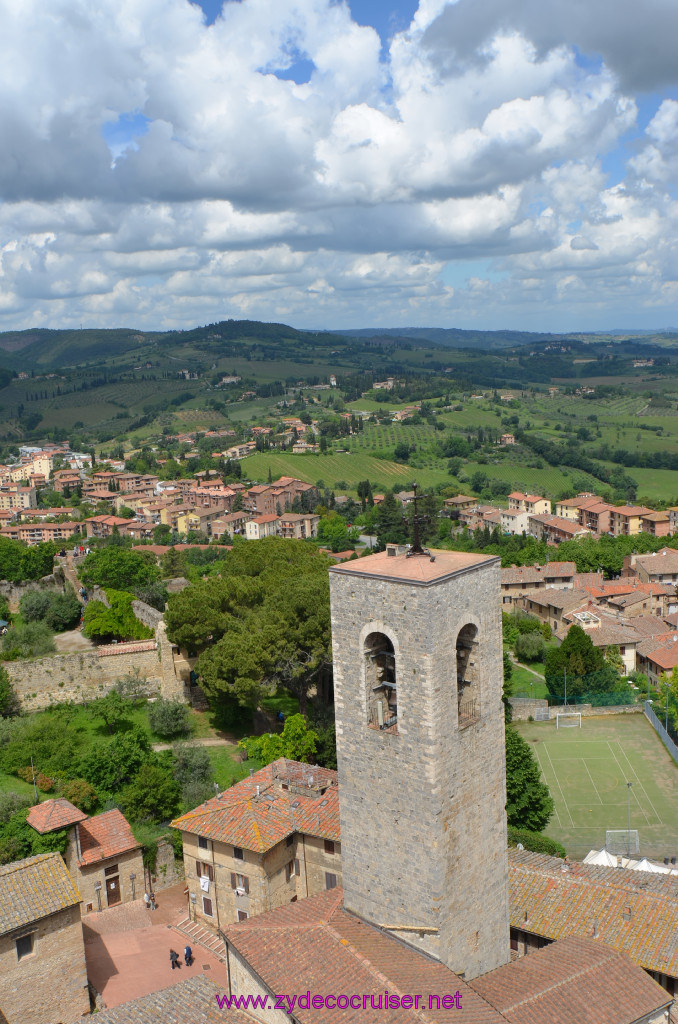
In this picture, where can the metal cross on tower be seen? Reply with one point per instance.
(417, 521)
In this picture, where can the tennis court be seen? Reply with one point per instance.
(587, 771)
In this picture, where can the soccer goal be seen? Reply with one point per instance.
(568, 720)
(622, 841)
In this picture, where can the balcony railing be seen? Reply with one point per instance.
(469, 712)
(386, 722)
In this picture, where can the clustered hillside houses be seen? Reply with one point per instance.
(203, 504)
(638, 612)
(584, 516)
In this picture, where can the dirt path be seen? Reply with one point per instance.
(528, 669)
(204, 741)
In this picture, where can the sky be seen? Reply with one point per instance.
(375, 163)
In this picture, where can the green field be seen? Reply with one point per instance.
(349, 467)
(587, 770)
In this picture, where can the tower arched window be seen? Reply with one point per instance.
(468, 684)
(380, 677)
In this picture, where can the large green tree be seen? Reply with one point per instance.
(580, 665)
(528, 801)
(264, 622)
(119, 568)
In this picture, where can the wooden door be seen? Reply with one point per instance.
(113, 890)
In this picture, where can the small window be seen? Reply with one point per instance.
(290, 870)
(202, 842)
(207, 906)
(242, 915)
(113, 870)
(289, 841)
(514, 945)
(204, 870)
(240, 881)
(237, 853)
(24, 946)
(330, 880)
(329, 846)
(293, 900)
(89, 907)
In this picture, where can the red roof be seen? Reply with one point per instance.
(260, 820)
(104, 836)
(54, 814)
(572, 980)
(315, 944)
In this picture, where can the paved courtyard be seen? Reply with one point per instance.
(127, 949)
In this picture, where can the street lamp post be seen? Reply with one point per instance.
(628, 828)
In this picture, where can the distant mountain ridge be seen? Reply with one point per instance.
(42, 349)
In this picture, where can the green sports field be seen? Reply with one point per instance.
(587, 770)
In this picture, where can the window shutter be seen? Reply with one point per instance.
(234, 882)
(198, 868)
(247, 883)
(296, 867)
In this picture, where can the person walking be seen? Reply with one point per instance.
(147, 901)
(152, 899)
(188, 955)
(174, 958)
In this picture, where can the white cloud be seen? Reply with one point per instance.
(339, 200)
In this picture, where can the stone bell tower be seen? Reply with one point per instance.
(420, 744)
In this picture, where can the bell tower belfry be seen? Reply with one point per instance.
(420, 745)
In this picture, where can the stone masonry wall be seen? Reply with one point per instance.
(423, 824)
(81, 676)
(15, 591)
(50, 984)
(523, 707)
(85, 675)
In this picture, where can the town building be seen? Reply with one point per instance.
(269, 840)
(299, 526)
(262, 526)
(660, 567)
(460, 503)
(517, 581)
(555, 529)
(628, 519)
(43, 977)
(532, 503)
(103, 857)
(40, 533)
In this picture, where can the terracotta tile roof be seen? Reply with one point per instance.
(555, 598)
(316, 945)
(189, 1002)
(135, 645)
(54, 814)
(659, 563)
(420, 569)
(547, 901)
(559, 523)
(104, 836)
(538, 573)
(240, 817)
(556, 985)
(631, 510)
(34, 888)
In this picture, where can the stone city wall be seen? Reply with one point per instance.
(15, 591)
(84, 675)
